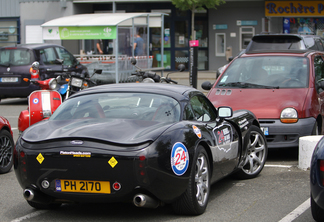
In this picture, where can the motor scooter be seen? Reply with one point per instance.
(41, 103)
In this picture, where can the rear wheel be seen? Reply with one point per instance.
(6, 151)
(257, 151)
(317, 211)
(194, 200)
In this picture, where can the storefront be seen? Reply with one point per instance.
(303, 17)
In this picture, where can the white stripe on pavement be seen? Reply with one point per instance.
(28, 216)
(283, 166)
(297, 212)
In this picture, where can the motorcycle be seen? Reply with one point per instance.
(148, 76)
(75, 82)
(41, 103)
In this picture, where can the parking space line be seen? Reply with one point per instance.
(297, 212)
(28, 216)
(282, 166)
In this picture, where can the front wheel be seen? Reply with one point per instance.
(194, 200)
(6, 151)
(257, 151)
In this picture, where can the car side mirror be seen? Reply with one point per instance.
(225, 112)
(206, 85)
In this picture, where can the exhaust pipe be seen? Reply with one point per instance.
(35, 196)
(142, 200)
(29, 194)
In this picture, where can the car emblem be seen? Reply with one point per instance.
(76, 142)
(8, 69)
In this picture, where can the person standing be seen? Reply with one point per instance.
(138, 46)
(102, 46)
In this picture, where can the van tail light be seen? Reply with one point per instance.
(34, 73)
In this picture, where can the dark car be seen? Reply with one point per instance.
(285, 42)
(284, 89)
(16, 61)
(6, 146)
(317, 182)
(137, 142)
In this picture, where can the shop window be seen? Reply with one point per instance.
(220, 39)
(9, 32)
(246, 34)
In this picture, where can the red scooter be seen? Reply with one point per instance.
(41, 103)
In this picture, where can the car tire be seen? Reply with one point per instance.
(317, 211)
(195, 199)
(6, 151)
(315, 130)
(257, 152)
(41, 206)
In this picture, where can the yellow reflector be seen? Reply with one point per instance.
(289, 120)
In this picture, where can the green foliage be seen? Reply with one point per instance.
(196, 4)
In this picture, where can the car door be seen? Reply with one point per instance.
(225, 151)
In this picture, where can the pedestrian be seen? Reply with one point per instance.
(138, 45)
(102, 46)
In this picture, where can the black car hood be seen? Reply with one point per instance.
(119, 131)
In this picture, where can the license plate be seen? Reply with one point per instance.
(9, 79)
(265, 130)
(82, 186)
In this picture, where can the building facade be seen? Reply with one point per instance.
(222, 32)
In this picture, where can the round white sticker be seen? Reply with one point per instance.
(179, 159)
(35, 101)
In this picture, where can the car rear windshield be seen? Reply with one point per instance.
(15, 57)
(275, 42)
(266, 72)
(135, 106)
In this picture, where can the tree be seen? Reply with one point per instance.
(194, 5)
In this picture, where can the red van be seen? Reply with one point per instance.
(284, 89)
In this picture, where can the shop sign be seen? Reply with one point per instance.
(221, 26)
(87, 32)
(294, 8)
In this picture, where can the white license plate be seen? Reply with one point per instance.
(9, 79)
(265, 130)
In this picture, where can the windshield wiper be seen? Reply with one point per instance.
(248, 85)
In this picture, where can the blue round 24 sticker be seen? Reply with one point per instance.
(179, 159)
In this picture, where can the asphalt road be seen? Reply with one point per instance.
(279, 193)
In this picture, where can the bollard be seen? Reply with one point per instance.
(306, 147)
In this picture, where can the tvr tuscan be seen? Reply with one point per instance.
(144, 143)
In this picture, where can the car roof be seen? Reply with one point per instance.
(32, 46)
(172, 90)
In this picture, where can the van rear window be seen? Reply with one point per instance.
(15, 57)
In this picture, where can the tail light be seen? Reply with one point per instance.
(321, 168)
(34, 73)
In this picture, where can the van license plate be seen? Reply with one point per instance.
(9, 79)
(82, 186)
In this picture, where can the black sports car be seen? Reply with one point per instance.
(317, 181)
(140, 142)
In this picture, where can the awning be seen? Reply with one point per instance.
(97, 25)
